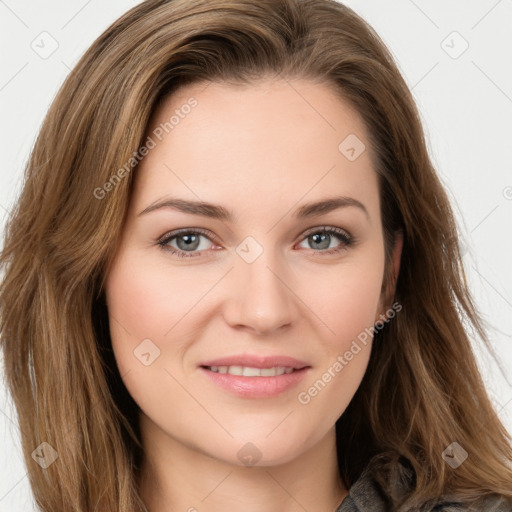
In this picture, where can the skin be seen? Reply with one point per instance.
(261, 151)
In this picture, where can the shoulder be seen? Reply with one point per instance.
(370, 492)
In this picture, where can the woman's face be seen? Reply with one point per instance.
(260, 279)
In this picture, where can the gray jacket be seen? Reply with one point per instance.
(367, 495)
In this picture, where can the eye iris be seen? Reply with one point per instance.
(191, 243)
(324, 237)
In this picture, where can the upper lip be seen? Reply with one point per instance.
(254, 361)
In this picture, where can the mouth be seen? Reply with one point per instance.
(251, 371)
(253, 381)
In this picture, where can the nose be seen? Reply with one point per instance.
(260, 299)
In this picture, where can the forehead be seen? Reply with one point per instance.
(251, 145)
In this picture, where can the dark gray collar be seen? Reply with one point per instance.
(368, 495)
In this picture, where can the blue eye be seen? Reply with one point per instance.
(188, 241)
(322, 238)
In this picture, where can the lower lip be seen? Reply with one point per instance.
(256, 387)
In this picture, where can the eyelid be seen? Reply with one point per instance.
(335, 229)
(176, 232)
(213, 237)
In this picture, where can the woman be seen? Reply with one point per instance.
(174, 338)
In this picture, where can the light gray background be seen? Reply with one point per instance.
(466, 104)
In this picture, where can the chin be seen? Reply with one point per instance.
(260, 450)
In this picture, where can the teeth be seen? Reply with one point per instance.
(247, 371)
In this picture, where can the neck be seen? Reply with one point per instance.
(179, 477)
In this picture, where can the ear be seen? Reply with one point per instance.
(390, 276)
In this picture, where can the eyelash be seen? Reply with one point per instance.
(341, 234)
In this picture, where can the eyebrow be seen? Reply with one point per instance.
(214, 211)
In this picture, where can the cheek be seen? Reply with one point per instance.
(145, 302)
(147, 307)
(346, 299)
(347, 303)
(145, 298)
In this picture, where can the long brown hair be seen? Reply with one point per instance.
(422, 389)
